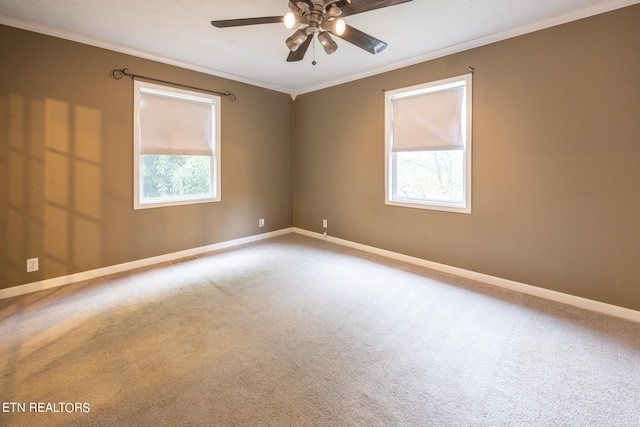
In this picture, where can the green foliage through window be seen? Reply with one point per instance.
(431, 175)
(173, 176)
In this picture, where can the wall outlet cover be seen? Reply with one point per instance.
(32, 265)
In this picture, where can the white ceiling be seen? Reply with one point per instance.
(179, 32)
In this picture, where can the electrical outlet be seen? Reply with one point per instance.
(261, 222)
(32, 265)
(324, 223)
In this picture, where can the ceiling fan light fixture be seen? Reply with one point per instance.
(294, 42)
(335, 26)
(339, 27)
(290, 20)
(334, 11)
(327, 42)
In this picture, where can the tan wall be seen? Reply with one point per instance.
(556, 162)
(66, 162)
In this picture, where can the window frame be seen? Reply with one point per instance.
(390, 157)
(138, 179)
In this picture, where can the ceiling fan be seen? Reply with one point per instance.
(321, 17)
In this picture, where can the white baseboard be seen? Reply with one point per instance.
(597, 306)
(105, 271)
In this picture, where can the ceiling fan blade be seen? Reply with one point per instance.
(362, 40)
(358, 6)
(226, 23)
(299, 53)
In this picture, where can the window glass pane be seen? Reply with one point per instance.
(166, 176)
(430, 176)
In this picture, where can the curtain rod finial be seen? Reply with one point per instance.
(118, 74)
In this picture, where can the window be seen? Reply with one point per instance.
(176, 146)
(428, 145)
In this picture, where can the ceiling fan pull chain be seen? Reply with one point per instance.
(314, 52)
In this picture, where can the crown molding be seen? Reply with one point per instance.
(482, 41)
(79, 38)
(294, 92)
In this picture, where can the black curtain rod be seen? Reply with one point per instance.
(118, 74)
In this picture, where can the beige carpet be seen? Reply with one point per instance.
(294, 331)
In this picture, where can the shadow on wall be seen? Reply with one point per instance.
(53, 156)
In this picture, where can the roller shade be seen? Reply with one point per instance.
(175, 126)
(429, 121)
